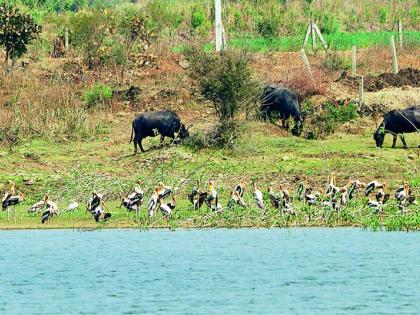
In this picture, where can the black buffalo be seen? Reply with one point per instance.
(398, 122)
(283, 102)
(166, 123)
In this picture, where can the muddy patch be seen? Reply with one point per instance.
(406, 77)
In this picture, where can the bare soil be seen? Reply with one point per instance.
(405, 77)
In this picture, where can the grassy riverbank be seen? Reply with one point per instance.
(70, 171)
(356, 214)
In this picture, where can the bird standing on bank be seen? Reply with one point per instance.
(96, 207)
(11, 200)
(258, 197)
(153, 202)
(51, 209)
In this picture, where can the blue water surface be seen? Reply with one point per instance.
(256, 271)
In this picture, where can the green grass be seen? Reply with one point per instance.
(336, 41)
(70, 171)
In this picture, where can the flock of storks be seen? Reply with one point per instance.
(334, 198)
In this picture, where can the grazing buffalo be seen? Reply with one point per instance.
(397, 122)
(284, 103)
(166, 123)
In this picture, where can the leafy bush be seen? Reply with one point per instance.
(326, 121)
(224, 79)
(89, 30)
(97, 94)
(222, 136)
(335, 62)
(330, 24)
(268, 27)
(198, 17)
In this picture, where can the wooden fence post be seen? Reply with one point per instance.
(318, 32)
(307, 66)
(218, 25)
(400, 34)
(313, 35)
(66, 38)
(361, 88)
(308, 33)
(354, 61)
(394, 56)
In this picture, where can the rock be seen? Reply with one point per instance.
(286, 158)
(28, 182)
(411, 157)
(184, 64)
(3, 154)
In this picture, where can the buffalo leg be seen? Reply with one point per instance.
(141, 146)
(283, 123)
(394, 141)
(172, 136)
(135, 147)
(403, 141)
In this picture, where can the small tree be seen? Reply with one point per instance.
(225, 80)
(16, 32)
(89, 30)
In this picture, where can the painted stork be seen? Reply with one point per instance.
(166, 208)
(240, 188)
(211, 194)
(51, 210)
(311, 198)
(217, 207)
(39, 205)
(164, 191)
(372, 186)
(96, 207)
(153, 202)
(134, 200)
(332, 189)
(11, 200)
(258, 197)
(235, 198)
(275, 198)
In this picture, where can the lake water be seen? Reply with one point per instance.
(293, 271)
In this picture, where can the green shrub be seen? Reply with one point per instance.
(97, 95)
(89, 30)
(268, 27)
(198, 16)
(329, 118)
(330, 24)
(335, 62)
(383, 15)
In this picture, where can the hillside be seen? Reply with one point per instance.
(65, 123)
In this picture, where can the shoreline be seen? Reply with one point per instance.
(127, 226)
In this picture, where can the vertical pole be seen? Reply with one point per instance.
(307, 66)
(394, 56)
(218, 25)
(66, 38)
(400, 35)
(354, 61)
(313, 35)
(308, 33)
(224, 38)
(361, 88)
